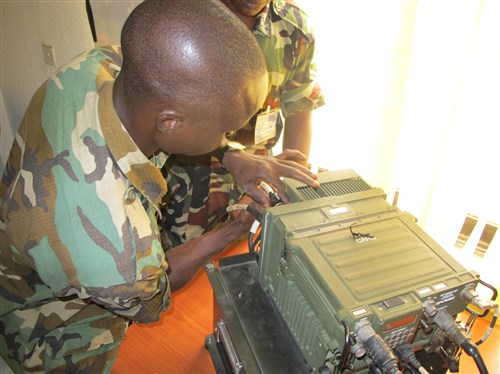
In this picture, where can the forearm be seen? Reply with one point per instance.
(298, 132)
(186, 259)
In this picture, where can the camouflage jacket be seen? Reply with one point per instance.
(79, 234)
(286, 37)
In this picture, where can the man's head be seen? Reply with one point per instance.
(191, 71)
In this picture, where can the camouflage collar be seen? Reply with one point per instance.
(288, 12)
(141, 173)
(263, 22)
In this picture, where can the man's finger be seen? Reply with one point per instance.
(300, 173)
(291, 153)
(258, 195)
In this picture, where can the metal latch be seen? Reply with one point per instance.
(222, 336)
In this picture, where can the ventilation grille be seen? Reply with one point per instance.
(335, 188)
(300, 318)
(324, 310)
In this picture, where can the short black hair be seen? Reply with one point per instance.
(186, 49)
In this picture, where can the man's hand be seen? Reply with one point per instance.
(249, 170)
(185, 260)
(238, 212)
(293, 155)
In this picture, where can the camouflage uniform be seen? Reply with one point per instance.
(286, 38)
(80, 254)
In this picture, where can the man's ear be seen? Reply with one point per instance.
(168, 120)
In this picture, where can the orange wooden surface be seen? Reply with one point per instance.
(490, 349)
(175, 344)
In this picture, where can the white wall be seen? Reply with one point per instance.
(25, 25)
(363, 54)
(109, 17)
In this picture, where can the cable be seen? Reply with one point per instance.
(470, 296)
(347, 343)
(454, 332)
(490, 328)
(377, 348)
(275, 199)
(254, 244)
(406, 353)
(471, 349)
(253, 239)
(249, 208)
(360, 237)
(493, 297)
(90, 16)
(219, 217)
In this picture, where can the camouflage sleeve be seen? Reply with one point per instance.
(302, 91)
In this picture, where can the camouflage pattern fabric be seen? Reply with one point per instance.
(80, 252)
(189, 209)
(286, 38)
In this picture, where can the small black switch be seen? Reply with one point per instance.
(393, 301)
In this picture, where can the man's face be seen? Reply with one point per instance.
(249, 8)
(203, 125)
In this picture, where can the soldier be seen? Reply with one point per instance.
(80, 253)
(199, 188)
(286, 38)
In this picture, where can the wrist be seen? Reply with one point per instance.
(226, 148)
(232, 230)
(223, 236)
